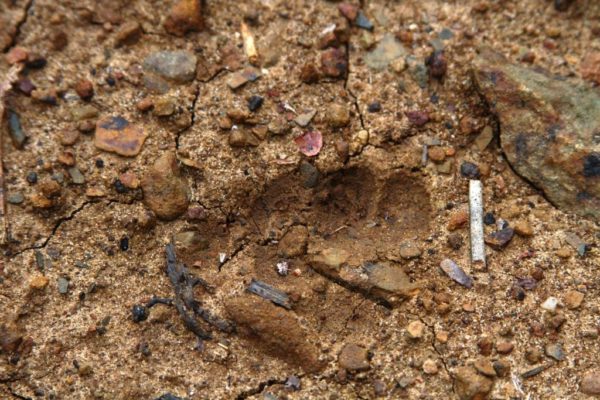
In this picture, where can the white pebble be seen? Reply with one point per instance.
(282, 268)
(550, 304)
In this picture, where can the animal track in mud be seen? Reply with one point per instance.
(354, 214)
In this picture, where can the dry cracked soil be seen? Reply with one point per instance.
(255, 199)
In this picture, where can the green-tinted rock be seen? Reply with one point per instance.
(549, 130)
(387, 50)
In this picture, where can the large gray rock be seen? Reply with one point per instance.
(549, 130)
(178, 66)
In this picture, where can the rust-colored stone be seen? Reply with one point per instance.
(117, 135)
(166, 192)
(185, 16)
(590, 67)
(334, 63)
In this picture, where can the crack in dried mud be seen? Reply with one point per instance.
(260, 388)
(438, 352)
(19, 26)
(17, 395)
(57, 225)
(67, 218)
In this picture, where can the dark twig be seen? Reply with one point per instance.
(188, 307)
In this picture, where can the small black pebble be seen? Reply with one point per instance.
(111, 81)
(168, 396)
(562, 5)
(32, 177)
(437, 64)
(119, 187)
(469, 170)
(99, 163)
(124, 243)
(591, 165)
(139, 313)
(145, 349)
(489, 219)
(36, 62)
(374, 107)
(255, 102)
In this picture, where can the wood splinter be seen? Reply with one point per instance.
(476, 224)
(249, 45)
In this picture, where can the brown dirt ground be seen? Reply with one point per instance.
(366, 205)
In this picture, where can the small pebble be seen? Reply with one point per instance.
(442, 336)
(129, 33)
(363, 22)
(458, 219)
(499, 239)
(374, 107)
(293, 382)
(437, 64)
(590, 384)
(573, 299)
(489, 219)
(523, 228)
(115, 134)
(38, 282)
(430, 367)
(337, 115)
(15, 129)
(84, 89)
(16, 198)
(455, 241)
(255, 102)
(178, 66)
(437, 154)
(124, 243)
(119, 187)
(533, 356)
(139, 313)
(504, 347)
(415, 329)
(469, 170)
(409, 249)
(353, 358)
(32, 177)
(334, 63)
(555, 351)
(76, 176)
(550, 304)
(185, 16)
(485, 367)
(63, 285)
(69, 137)
(456, 273)
(501, 367)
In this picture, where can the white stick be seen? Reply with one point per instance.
(476, 221)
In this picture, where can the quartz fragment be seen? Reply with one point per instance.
(456, 273)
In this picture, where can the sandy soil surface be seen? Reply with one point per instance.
(348, 237)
